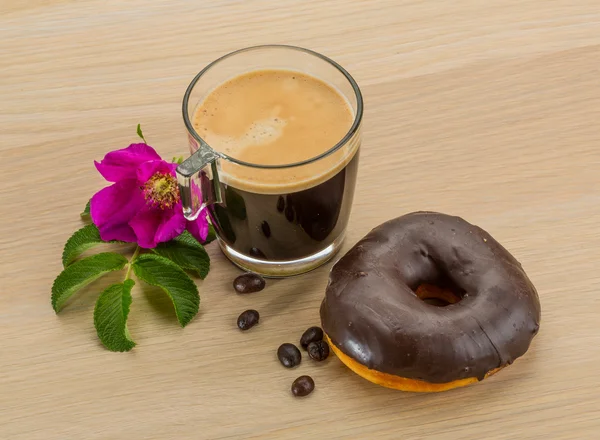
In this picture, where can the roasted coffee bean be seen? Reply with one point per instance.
(318, 350)
(313, 334)
(280, 204)
(257, 253)
(303, 386)
(266, 229)
(289, 355)
(247, 319)
(249, 283)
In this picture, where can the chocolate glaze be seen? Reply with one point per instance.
(371, 313)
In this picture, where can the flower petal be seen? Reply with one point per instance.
(113, 207)
(145, 225)
(147, 169)
(155, 225)
(199, 227)
(122, 164)
(172, 227)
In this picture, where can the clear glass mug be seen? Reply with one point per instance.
(274, 229)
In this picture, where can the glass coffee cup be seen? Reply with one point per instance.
(279, 208)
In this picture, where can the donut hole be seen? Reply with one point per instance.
(440, 293)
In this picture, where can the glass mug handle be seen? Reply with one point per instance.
(198, 181)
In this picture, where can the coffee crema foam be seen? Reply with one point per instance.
(276, 117)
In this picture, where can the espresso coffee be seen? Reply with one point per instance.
(278, 118)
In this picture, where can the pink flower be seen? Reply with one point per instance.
(142, 205)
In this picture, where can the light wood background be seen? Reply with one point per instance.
(485, 109)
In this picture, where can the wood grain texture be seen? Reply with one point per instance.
(489, 110)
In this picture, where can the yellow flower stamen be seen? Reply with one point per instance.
(161, 191)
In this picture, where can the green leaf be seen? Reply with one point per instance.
(187, 253)
(82, 273)
(110, 316)
(140, 134)
(162, 272)
(82, 240)
(177, 160)
(86, 211)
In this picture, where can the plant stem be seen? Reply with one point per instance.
(133, 258)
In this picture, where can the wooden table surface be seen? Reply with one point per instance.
(489, 110)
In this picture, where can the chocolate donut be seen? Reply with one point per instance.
(429, 302)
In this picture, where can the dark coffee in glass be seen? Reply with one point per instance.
(279, 227)
(275, 136)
